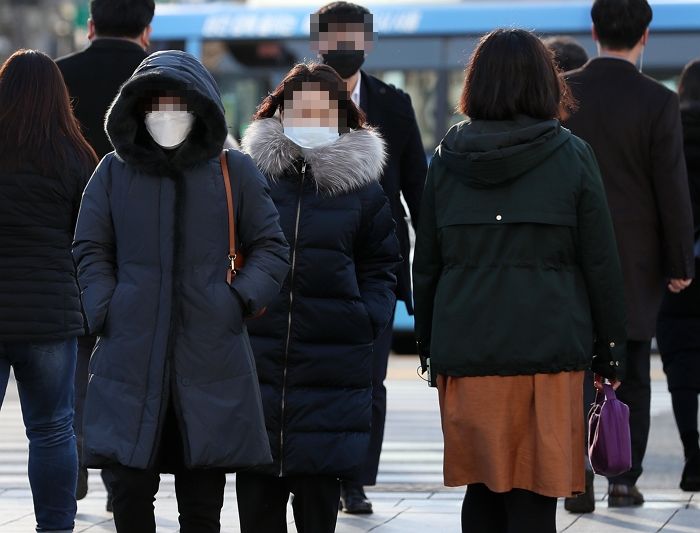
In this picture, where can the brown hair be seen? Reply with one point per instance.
(349, 115)
(37, 125)
(511, 73)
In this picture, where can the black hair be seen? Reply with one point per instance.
(568, 53)
(510, 73)
(121, 18)
(689, 85)
(342, 13)
(620, 24)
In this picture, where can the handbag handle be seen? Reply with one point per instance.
(608, 393)
(232, 253)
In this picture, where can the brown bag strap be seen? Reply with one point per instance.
(231, 217)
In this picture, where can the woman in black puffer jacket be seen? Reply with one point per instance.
(313, 348)
(678, 331)
(45, 163)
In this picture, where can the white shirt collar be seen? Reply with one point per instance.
(355, 95)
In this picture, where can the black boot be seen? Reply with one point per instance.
(620, 495)
(81, 489)
(690, 480)
(353, 499)
(583, 503)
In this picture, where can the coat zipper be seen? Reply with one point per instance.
(289, 316)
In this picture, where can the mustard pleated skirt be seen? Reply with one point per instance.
(508, 432)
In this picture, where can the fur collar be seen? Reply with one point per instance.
(356, 159)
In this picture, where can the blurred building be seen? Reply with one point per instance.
(46, 25)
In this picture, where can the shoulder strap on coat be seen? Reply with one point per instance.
(231, 217)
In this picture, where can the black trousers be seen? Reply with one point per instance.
(517, 511)
(85, 347)
(262, 503)
(200, 493)
(635, 391)
(367, 474)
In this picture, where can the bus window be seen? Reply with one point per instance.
(455, 82)
(421, 85)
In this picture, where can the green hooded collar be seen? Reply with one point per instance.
(490, 153)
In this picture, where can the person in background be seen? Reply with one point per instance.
(515, 274)
(341, 33)
(633, 124)
(119, 31)
(45, 163)
(313, 347)
(678, 326)
(173, 386)
(568, 52)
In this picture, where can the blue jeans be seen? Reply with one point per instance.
(44, 372)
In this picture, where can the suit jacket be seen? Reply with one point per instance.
(633, 124)
(390, 111)
(93, 77)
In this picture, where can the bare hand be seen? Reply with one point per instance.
(598, 381)
(677, 285)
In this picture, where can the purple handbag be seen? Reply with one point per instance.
(609, 446)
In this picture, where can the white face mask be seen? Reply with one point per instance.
(311, 136)
(169, 129)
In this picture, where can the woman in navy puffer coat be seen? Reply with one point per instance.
(172, 378)
(313, 347)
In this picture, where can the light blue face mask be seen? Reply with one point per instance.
(311, 136)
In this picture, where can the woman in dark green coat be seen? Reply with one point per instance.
(517, 279)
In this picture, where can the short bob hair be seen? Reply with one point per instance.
(350, 117)
(513, 73)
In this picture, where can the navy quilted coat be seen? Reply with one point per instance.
(313, 348)
(151, 247)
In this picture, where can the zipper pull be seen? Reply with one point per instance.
(303, 171)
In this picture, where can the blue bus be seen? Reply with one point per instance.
(421, 48)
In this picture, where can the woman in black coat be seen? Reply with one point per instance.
(172, 384)
(313, 347)
(678, 328)
(44, 165)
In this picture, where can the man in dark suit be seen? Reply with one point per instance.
(119, 31)
(342, 35)
(633, 124)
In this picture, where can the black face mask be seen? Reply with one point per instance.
(344, 62)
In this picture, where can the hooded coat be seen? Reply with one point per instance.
(314, 345)
(678, 330)
(151, 247)
(515, 268)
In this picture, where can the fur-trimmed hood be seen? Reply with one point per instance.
(356, 159)
(170, 70)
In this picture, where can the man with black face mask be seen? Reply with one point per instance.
(341, 33)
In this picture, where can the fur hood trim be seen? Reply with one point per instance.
(355, 160)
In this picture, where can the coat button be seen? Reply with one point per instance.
(499, 217)
(612, 344)
(612, 363)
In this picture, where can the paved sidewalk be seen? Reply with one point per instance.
(410, 496)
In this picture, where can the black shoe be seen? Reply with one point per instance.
(620, 495)
(109, 507)
(353, 500)
(81, 489)
(690, 480)
(583, 503)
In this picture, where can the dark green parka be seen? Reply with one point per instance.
(516, 270)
